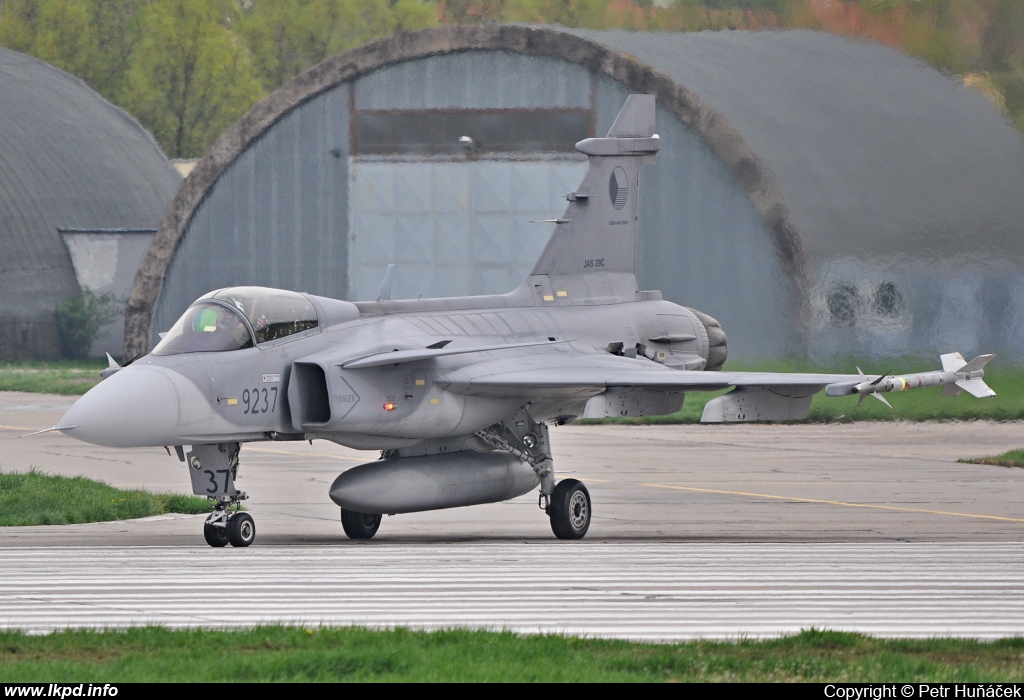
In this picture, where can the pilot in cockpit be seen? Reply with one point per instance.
(217, 329)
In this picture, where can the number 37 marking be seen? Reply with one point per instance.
(260, 400)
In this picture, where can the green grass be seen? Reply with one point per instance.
(1013, 458)
(68, 377)
(916, 405)
(267, 654)
(34, 498)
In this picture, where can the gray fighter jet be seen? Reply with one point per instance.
(457, 393)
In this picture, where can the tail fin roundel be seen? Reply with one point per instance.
(597, 233)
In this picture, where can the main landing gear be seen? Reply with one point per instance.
(213, 469)
(569, 510)
(360, 526)
(566, 504)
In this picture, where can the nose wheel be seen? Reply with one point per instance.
(569, 510)
(215, 535)
(241, 530)
(224, 527)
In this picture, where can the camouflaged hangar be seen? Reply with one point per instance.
(818, 195)
(82, 189)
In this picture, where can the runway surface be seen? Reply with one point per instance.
(862, 482)
(646, 591)
(698, 531)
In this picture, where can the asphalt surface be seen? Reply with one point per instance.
(643, 590)
(698, 531)
(865, 482)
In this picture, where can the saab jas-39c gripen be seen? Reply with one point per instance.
(457, 393)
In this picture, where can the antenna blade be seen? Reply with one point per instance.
(384, 294)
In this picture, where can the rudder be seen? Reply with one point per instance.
(596, 237)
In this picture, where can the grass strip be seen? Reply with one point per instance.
(70, 378)
(266, 654)
(34, 498)
(1013, 458)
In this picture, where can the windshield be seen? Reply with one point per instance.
(206, 327)
(221, 321)
(272, 313)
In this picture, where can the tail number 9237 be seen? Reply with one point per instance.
(260, 400)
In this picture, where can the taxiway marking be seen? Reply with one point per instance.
(835, 503)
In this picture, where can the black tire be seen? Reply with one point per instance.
(241, 530)
(570, 510)
(360, 526)
(215, 536)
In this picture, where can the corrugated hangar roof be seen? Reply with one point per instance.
(844, 149)
(68, 160)
(872, 149)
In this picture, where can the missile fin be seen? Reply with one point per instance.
(952, 361)
(975, 364)
(951, 390)
(976, 387)
(882, 399)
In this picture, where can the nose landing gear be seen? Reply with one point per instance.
(224, 526)
(213, 469)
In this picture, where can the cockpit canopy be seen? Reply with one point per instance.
(238, 318)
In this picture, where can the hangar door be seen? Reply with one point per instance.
(448, 196)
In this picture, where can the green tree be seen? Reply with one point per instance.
(91, 39)
(286, 38)
(55, 31)
(188, 78)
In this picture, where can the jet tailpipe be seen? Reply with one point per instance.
(432, 482)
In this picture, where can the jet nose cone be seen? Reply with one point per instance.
(135, 407)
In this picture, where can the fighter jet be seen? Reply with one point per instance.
(457, 393)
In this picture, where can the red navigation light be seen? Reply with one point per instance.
(389, 406)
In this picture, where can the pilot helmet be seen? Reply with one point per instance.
(205, 321)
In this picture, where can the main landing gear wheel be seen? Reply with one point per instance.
(241, 530)
(215, 536)
(569, 510)
(360, 526)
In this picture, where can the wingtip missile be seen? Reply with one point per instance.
(955, 375)
(112, 367)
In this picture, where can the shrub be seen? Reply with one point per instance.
(79, 319)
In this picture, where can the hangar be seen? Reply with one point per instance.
(817, 194)
(82, 189)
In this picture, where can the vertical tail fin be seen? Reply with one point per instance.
(596, 236)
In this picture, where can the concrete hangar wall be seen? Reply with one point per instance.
(816, 194)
